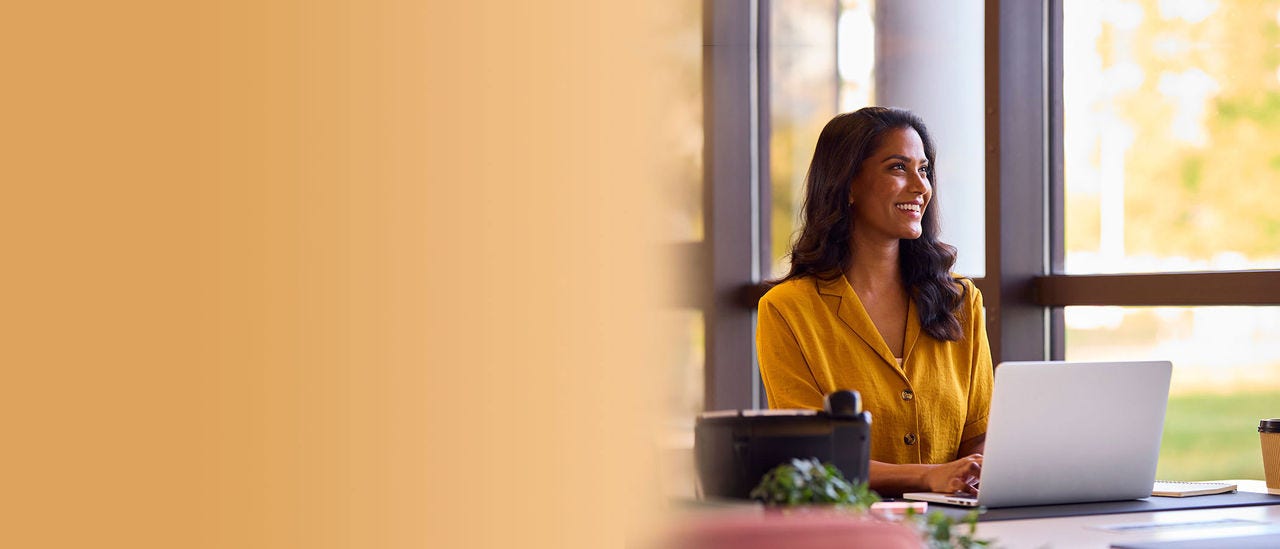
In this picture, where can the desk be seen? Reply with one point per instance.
(1092, 531)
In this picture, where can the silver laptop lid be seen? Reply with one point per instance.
(1067, 432)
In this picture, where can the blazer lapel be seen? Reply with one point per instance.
(854, 315)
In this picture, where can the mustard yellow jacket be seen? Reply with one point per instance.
(815, 337)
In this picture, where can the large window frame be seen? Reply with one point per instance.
(1025, 288)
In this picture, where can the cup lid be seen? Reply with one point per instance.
(1269, 425)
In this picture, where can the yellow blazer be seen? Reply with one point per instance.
(815, 337)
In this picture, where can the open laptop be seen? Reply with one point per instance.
(1070, 432)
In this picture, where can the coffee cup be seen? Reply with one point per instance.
(1269, 432)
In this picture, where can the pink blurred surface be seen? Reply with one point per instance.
(803, 529)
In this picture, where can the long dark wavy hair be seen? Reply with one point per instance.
(822, 251)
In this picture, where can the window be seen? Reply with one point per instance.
(685, 220)
(1108, 189)
(1162, 138)
(1171, 112)
(1226, 377)
(803, 88)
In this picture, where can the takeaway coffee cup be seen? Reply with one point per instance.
(1269, 432)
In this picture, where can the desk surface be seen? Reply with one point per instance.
(1101, 531)
(1105, 530)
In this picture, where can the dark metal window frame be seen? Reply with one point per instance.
(1018, 152)
(728, 264)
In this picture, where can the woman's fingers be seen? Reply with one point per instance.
(967, 484)
(970, 471)
(961, 475)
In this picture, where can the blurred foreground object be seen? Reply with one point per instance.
(808, 529)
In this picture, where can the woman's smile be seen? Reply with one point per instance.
(911, 209)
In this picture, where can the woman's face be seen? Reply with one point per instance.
(892, 189)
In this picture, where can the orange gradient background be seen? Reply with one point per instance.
(329, 274)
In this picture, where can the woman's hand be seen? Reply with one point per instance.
(960, 475)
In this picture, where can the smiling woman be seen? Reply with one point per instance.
(870, 304)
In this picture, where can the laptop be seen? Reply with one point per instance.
(1069, 432)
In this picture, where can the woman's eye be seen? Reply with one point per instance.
(924, 170)
(900, 166)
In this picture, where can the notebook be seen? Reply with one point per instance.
(1070, 432)
(1177, 489)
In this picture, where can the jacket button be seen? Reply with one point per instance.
(910, 439)
(907, 394)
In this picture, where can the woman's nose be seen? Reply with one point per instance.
(920, 183)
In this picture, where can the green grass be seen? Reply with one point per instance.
(1208, 436)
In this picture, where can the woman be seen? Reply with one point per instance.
(870, 304)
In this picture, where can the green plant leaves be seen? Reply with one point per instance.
(811, 482)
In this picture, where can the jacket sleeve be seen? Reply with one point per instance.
(788, 381)
(981, 370)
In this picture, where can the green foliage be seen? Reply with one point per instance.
(810, 482)
(1262, 108)
(1212, 436)
(943, 532)
(1192, 173)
